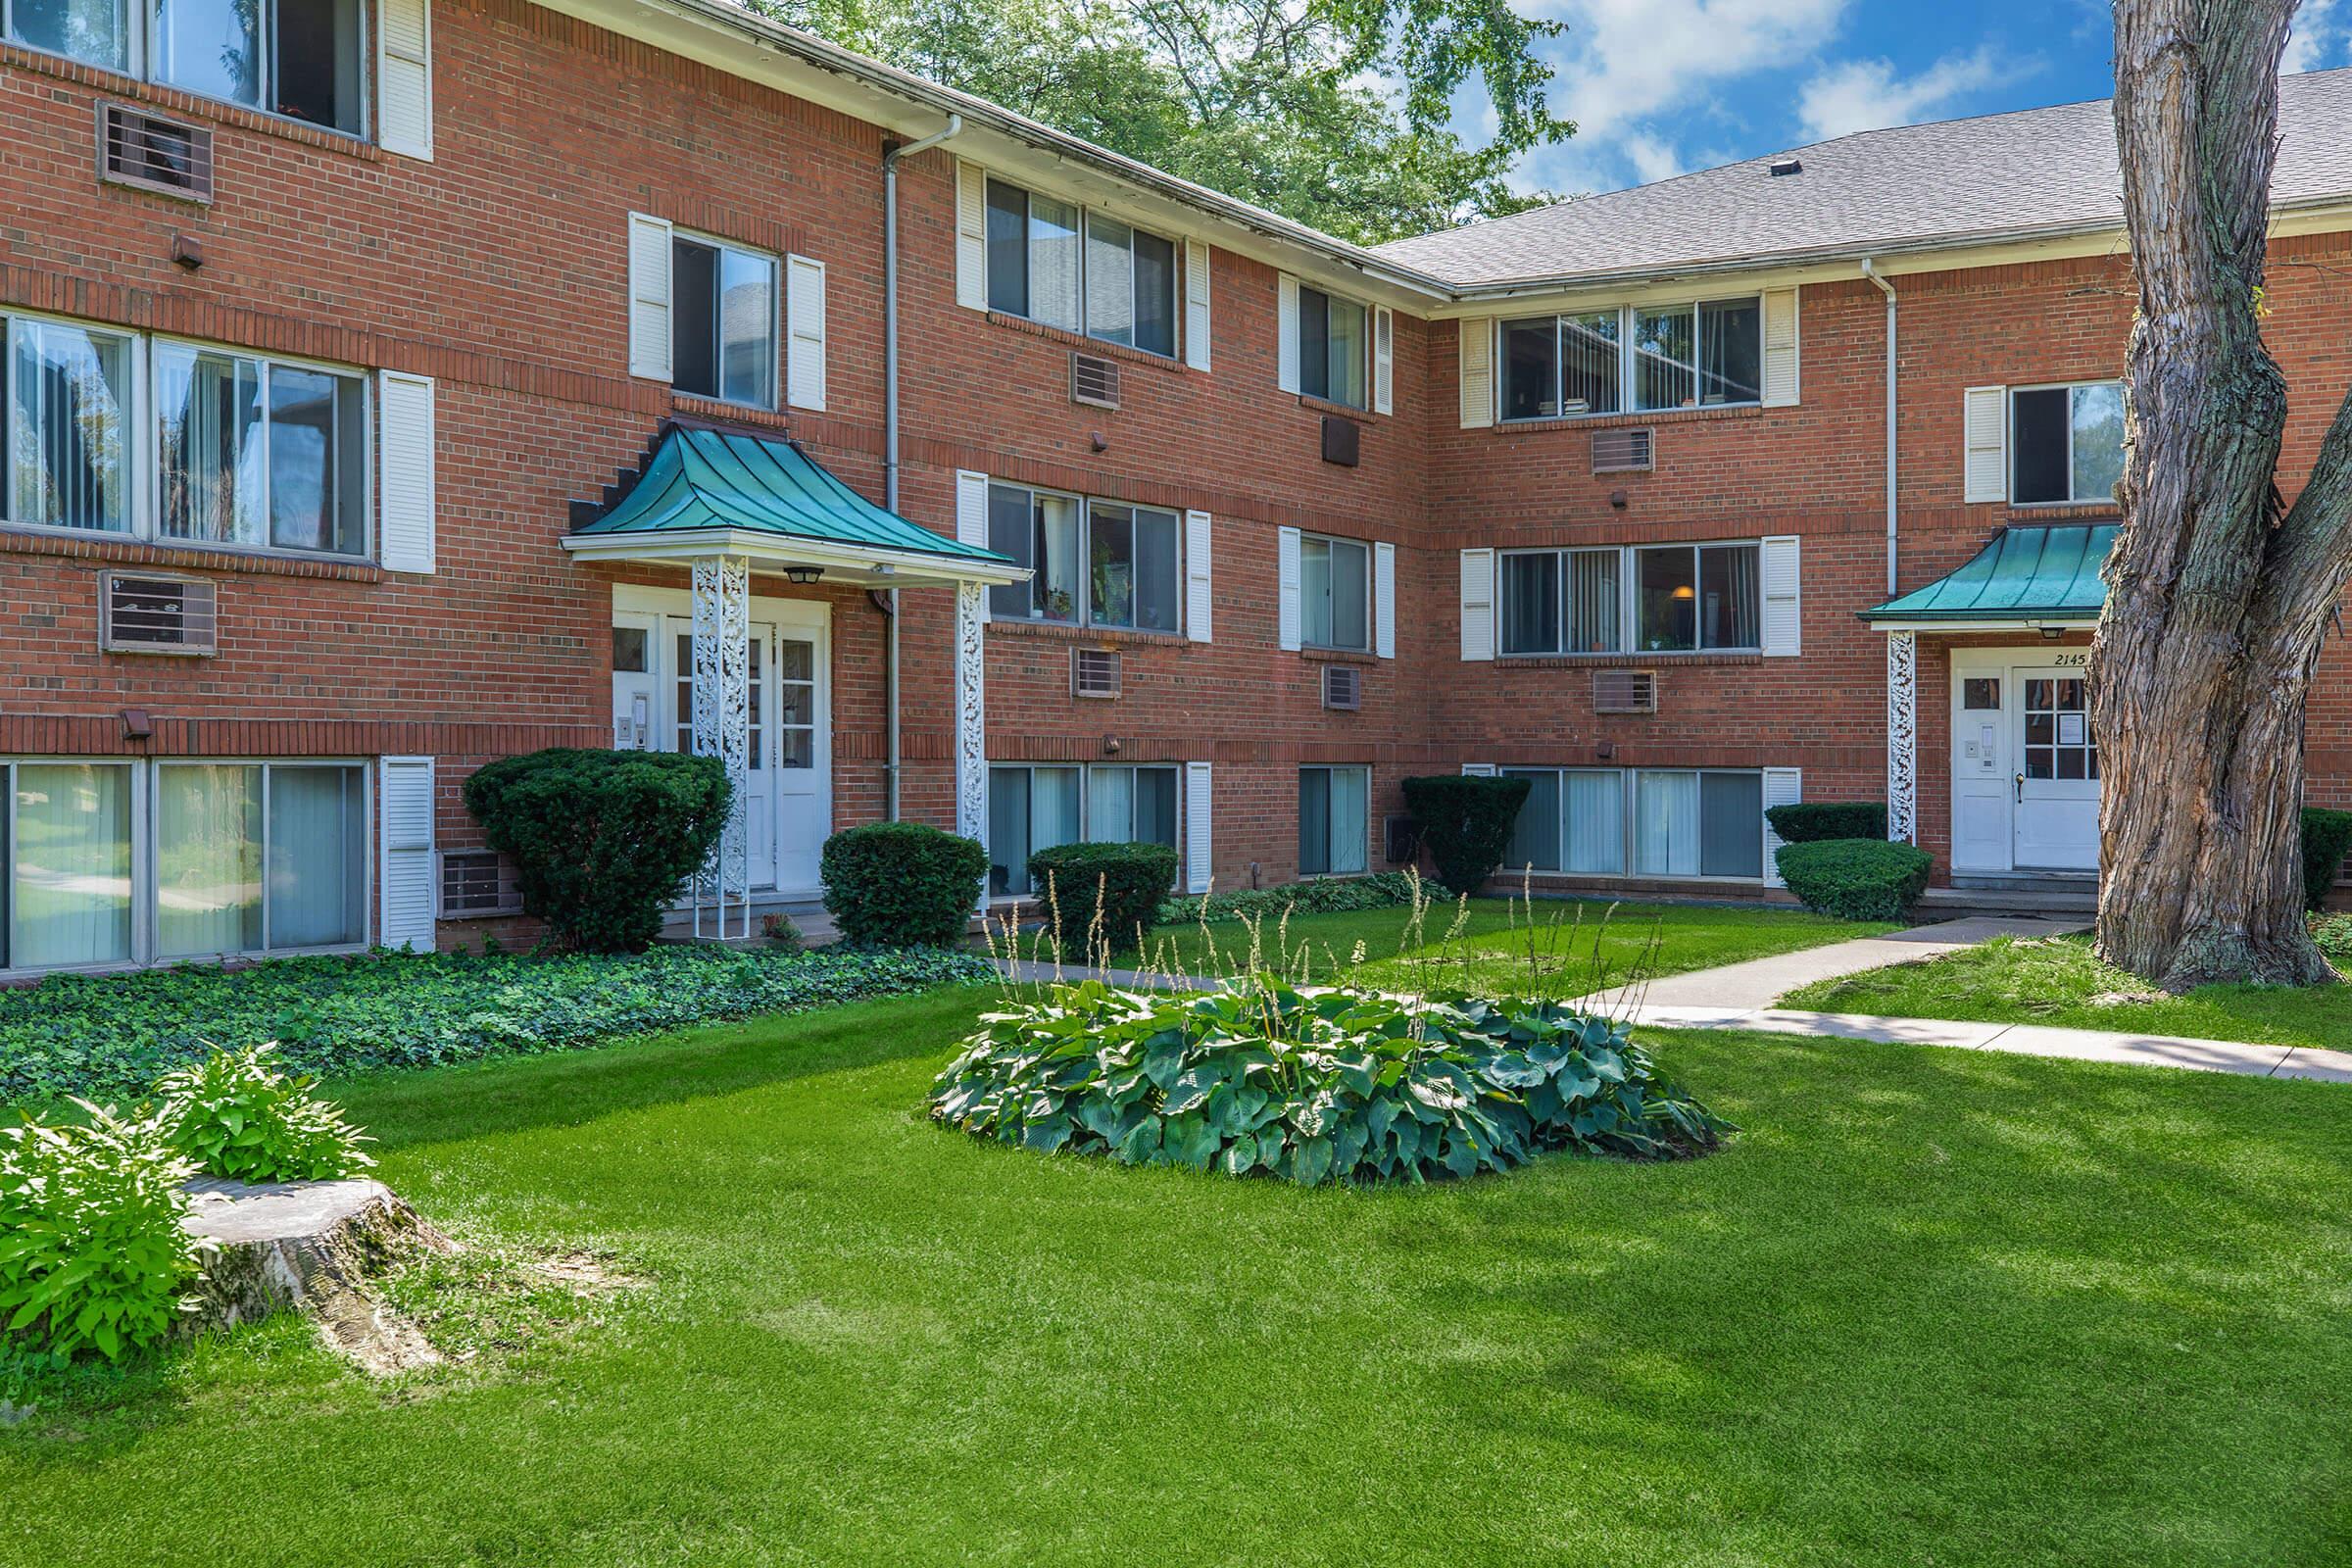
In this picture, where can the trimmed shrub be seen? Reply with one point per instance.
(237, 1116)
(1816, 821)
(2334, 934)
(1323, 896)
(1856, 879)
(110, 1036)
(1466, 822)
(1121, 884)
(1344, 1086)
(92, 1254)
(901, 884)
(2327, 840)
(601, 841)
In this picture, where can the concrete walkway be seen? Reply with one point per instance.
(1760, 982)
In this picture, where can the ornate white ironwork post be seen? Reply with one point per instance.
(971, 714)
(1902, 737)
(723, 726)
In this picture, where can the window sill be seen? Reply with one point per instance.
(1338, 655)
(1348, 411)
(2051, 510)
(179, 101)
(1092, 636)
(1622, 661)
(720, 414)
(1612, 421)
(1126, 353)
(152, 552)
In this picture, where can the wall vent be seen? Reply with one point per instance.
(1094, 672)
(1342, 441)
(143, 150)
(1626, 450)
(143, 615)
(476, 883)
(1094, 380)
(1342, 687)
(1625, 691)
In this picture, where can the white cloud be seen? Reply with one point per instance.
(1867, 94)
(1653, 157)
(2313, 38)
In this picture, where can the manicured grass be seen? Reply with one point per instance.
(1928, 1307)
(2056, 980)
(1584, 945)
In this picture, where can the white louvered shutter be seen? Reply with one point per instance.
(1286, 322)
(1984, 426)
(805, 319)
(972, 515)
(403, 78)
(1478, 373)
(1779, 348)
(1782, 786)
(971, 237)
(1477, 604)
(1199, 805)
(1782, 591)
(403, 832)
(1197, 332)
(1384, 601)
(403, 478)
(1198, 597)
(1287, 621)
(649, 297)
(1384, 361)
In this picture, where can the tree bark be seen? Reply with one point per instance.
(2218, 595)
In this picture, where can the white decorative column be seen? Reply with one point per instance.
(971, 714)
(1902, 737)
(722, 727)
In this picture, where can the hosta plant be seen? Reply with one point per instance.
(92, 1254)
(1345, 1085)
(236, 1115)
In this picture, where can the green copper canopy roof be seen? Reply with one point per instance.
(2045, 573)
(700, 479)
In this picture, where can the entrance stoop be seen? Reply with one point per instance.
(2055, 897)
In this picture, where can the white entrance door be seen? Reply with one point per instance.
(636, 687)
(2056, 778)
(803, 744)
(1982, 789)
(759, 795)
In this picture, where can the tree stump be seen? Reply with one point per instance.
(314, 1247)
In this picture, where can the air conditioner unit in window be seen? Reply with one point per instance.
(1626, 450)
(1342, 687)
(1625, 691)
(1094, 380)
(475, 883)
(1094, 672)
(136, 148)
(143, 615)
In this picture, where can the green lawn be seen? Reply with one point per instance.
(2056, 980)
(1583, 945)
(1928, 1307)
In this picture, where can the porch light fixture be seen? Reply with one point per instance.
(2050, 634)
(803, 575)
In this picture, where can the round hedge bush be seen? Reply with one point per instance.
(901, 884)
(1812, 821)
(1466, 822)
(1121, 884)
(1856, 879)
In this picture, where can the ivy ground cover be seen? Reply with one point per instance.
(1928, 1307)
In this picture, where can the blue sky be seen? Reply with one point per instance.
(1658, 87)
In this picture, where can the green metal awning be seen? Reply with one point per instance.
(2046, 574)
(705, 490)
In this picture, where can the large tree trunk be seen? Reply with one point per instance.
(2218, 597)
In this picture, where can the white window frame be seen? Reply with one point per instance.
(2009, 429)
(1083, 606)
(775, 317)
(1087, 215)
(1370, 347)
(1628, 785)
(1627, 380)
(1364, 769)
(145, 773)
(1629, 597)
(1625, 822)
(1086, 808)
(143, 480)
(1560, 554)
(1371, 631)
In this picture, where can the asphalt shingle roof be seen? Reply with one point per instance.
(1908, 186)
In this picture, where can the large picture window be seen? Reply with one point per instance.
(1697, 597)
(1704, 823)
(1676, 598)
(723, 336)
(69, 882)
(304, 59)
(2066, 442)
(1032, 809)
(1562, 601)
(1334, 348)
(1334, 820)
(261, 453)
(1118, 285)
(1704, 354)
(1334, 593)
(1131, 558)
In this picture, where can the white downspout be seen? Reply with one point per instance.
(890, 424)
(1871, 271)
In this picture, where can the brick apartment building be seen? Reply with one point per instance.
(392, 386)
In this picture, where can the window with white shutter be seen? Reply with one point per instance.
(1783, 597)
(972, 515)
(1197, 331)
(1286, 322)
(1383, 359)
(1288, 626)
(1198, 597)
(406, 886)
(971, 237)
(1478, 373)
(1985, 429)
(649, 297)
(1782, 786)
(405, 460)
(1384, 600)
(1779, 348)
(1199, 861)
(1478, 605)
(403, 78)
(804, 315)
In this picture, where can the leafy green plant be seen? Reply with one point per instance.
(1466, 823)
(92, 1253)
(1345, 1085)
(1813, 821)
(110, 1036)
(601, 840)
(1102, 893)
(1327, 894)
(1856, 879)
(239, 1117)
(901, 884)
(2334, 934)
(2327, 840)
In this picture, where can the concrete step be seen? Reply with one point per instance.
(2072, 900)
(808, 916)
